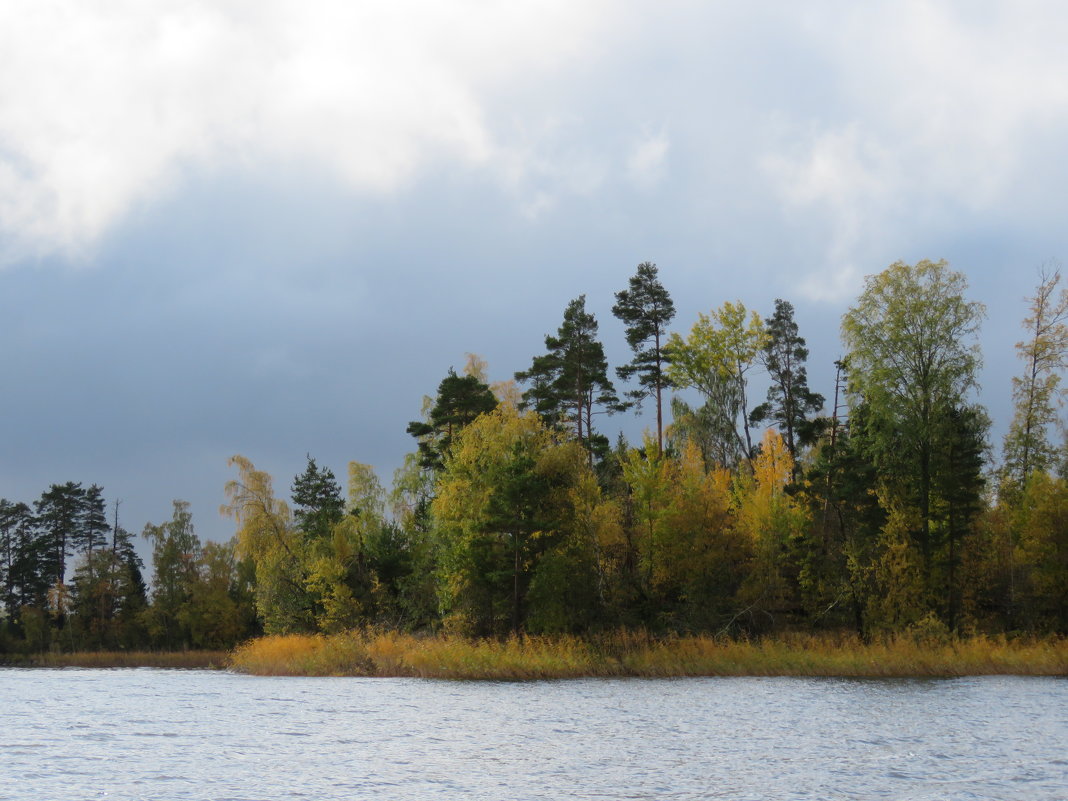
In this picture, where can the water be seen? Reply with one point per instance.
(158, 734)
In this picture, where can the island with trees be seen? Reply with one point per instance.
(521, 541)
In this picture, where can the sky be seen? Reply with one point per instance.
(270, 228)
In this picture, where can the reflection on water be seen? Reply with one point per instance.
(147, 734)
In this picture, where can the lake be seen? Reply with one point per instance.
(172, 734)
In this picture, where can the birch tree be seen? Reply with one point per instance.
(913, 359)
(715, 359)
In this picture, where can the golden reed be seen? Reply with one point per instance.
(386, 653)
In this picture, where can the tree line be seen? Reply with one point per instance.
(878, 509)
(72, 580)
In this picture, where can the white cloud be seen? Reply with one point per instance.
(938, 104)
(647, 160)
(890, 118)
(850, 180)
(103, 104)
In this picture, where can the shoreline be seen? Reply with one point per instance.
(178, 660)
(638, 655)
(618, 655)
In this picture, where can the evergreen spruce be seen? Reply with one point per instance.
(317, 501)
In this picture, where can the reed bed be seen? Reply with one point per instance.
(638, 654)
(216, 660)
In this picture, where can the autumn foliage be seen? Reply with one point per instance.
(516, 537)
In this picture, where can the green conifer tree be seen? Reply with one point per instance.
(645, 307)
(789, 401)
(569, 383)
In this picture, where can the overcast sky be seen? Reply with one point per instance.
(270, 227)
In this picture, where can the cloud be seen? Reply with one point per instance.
(647, 160)
(935, 115)
(103, 105)
(851, 180)
(868, 125)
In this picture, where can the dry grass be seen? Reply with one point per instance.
(216, 660)
(376, 653)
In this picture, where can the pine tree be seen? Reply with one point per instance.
(91, 531)
(459, 401)
(59, 512)
(789, 400)
(571, 381)
(646, 309)
(130, 588)
(20, 558)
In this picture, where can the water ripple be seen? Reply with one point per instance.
(147, 734)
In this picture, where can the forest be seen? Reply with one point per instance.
(878, 508)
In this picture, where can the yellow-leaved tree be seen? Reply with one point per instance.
(267, 536)
(705, 556)
(339, 571)
(501, 504)
(1041, 555)
(648, 473)
(574, 580)
(897, 600)
(771, 520)
(689, 557)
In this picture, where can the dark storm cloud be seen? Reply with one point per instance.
(283, 255)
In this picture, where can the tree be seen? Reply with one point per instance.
(771, 519)
(837, 552)
(1042, 558)
(646, 309)
(91, 531)
(1036, 394)
(789, 401)
(219, 610)
(317, 502)
(459, 401)
(570, 381)
(575, 585)
(499, 510)
(912, 359)
(705, 427)
(714, 359)
(958, 487)
(267, 537)
(413, 489)
(339, 573)
(649, 571)
(405, 556)
(690, 558)
(59, 512)
(21, 565)
(367, 498)
(110, 597)
(175, 561)
(130, 589)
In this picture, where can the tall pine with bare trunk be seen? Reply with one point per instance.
(645, 307)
